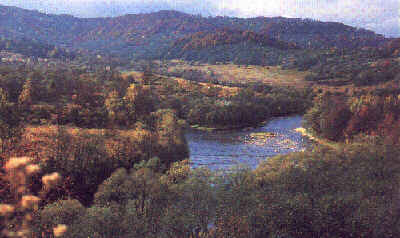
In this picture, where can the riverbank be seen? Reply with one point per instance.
(244, 127)
(325, 142)
(227, 128)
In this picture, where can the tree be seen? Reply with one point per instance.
(10, 122)
(25, 99)
(194, 205)
(139, 194)
(171, 144)
(115, 108)
(140, 101)
(329, 116)
(148, 75)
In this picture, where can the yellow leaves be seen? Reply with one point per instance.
(60, 230)
(32, 169)
(132, 92)
(17, 162)
(178, 171)
(113, 104)
(51, 180)
(300, 130)
(6, 210)
(26, 95)
(30, 202)
(3, 97)
(19, 171)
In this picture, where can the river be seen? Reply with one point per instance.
(220, 150)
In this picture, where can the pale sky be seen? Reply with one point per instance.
(381, 16)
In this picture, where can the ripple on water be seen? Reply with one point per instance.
(222, 150)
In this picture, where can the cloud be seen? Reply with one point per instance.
(381, 16)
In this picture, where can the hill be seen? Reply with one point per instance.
(227, 45)
(146, 35)
(34, 48)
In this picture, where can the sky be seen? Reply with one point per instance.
(381, 16)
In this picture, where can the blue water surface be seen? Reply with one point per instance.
(220, 150)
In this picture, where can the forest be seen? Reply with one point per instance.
(102, 154)
(92, 129)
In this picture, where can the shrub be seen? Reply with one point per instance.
(325, 193)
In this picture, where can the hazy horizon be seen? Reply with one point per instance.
(380, 16)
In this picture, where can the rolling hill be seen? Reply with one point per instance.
(155, 34)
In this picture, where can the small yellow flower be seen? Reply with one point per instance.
(51, 180)
(17, 162)
(32, 169)
(6, 209)
(59, 230)
(29, 201)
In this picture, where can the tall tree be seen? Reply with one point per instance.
(25, 99)
(115, 108)
(140, 101)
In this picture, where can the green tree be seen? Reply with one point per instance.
(193, 208)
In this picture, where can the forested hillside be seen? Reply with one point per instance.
(145, 35)
(33, 48)
(239, 47)
(93, 114)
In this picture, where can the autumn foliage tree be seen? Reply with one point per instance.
(339, 117)
(115, 108)
(140, 101)
(25, 99)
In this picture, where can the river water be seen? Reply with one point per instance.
(220, 150)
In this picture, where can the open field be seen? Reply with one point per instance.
(272, 75)
(239, 74)
(230, 73)
(188, 85)
(235, 74)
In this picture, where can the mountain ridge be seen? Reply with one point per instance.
(147, 35)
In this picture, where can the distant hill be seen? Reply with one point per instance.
(33, 48)
(227, 45)
(149, 35)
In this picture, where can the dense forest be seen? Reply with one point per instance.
(239, 47)
(33, 48)
(146, 35)
(92, 135)
(363, 113)
(103, 155)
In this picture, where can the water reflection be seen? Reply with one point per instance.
(224, 149)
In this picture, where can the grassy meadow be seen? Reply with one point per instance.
(271, 75)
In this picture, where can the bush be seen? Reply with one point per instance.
(344, 193)
(67, 212)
